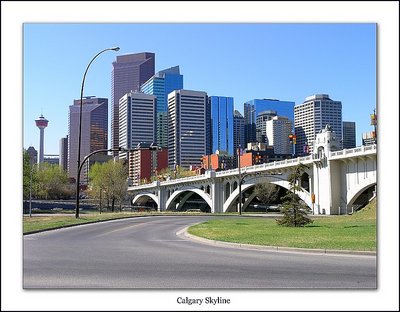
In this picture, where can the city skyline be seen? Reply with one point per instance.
(341, 62)
(80, 48)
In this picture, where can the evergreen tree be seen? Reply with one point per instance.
(293, 208)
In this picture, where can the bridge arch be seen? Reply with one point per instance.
(357, 189)
(143, 198)
(189, 189)
(230, 206)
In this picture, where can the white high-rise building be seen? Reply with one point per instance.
(312, 116)
(278, 129)
(261, 125)
(137, 120)
(187, 128)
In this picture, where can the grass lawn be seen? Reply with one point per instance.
(347, 232)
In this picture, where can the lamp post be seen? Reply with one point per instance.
(80, 168)
(373, 122)
(32, 165)
(80, 127)
(30, 192)
(239, 151)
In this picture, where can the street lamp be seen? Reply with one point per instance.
(239, 152)
(80, 126)
(30, 189)
(80, 168)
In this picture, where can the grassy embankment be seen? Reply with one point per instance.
(346, 232)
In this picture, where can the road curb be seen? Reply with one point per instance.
(185, 235)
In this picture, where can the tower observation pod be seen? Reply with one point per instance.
(41, 123)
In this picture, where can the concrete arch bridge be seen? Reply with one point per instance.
(340, 181)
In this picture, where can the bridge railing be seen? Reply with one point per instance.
(365, 149)
(230, 172)
(186, 179)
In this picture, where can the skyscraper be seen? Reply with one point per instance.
(312, 116)
(254, 107)
(278, 129)
(128, 74)
(137, 120)
(187, 128)
(221, 124)
(349, 134)
(64, 153)
(94, 131)
(160, 85)
(238, 132)
(261, 125)
(41, 123)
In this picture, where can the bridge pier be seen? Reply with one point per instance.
(162, 198)
(217, 197)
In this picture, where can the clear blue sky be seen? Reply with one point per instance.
(246, 61)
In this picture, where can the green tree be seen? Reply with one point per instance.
(266, 193)
(29, 175)
(293, 208)
(97, 183)
(52, 181)
(109, 180)
(120, 183)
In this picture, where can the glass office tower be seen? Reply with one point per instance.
(238, 133)
(129, 72)
(349, 134)
(94, 131)
(254, 107)
(221, 124)
(160, 85)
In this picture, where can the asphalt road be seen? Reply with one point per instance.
(145, 253)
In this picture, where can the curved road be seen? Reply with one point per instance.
(146, 253)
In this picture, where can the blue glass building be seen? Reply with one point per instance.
(221, 109)
(254, 107)
(160, 85)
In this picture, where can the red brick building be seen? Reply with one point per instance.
(145, 163)
(217, 162)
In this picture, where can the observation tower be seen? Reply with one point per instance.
(41, 123)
